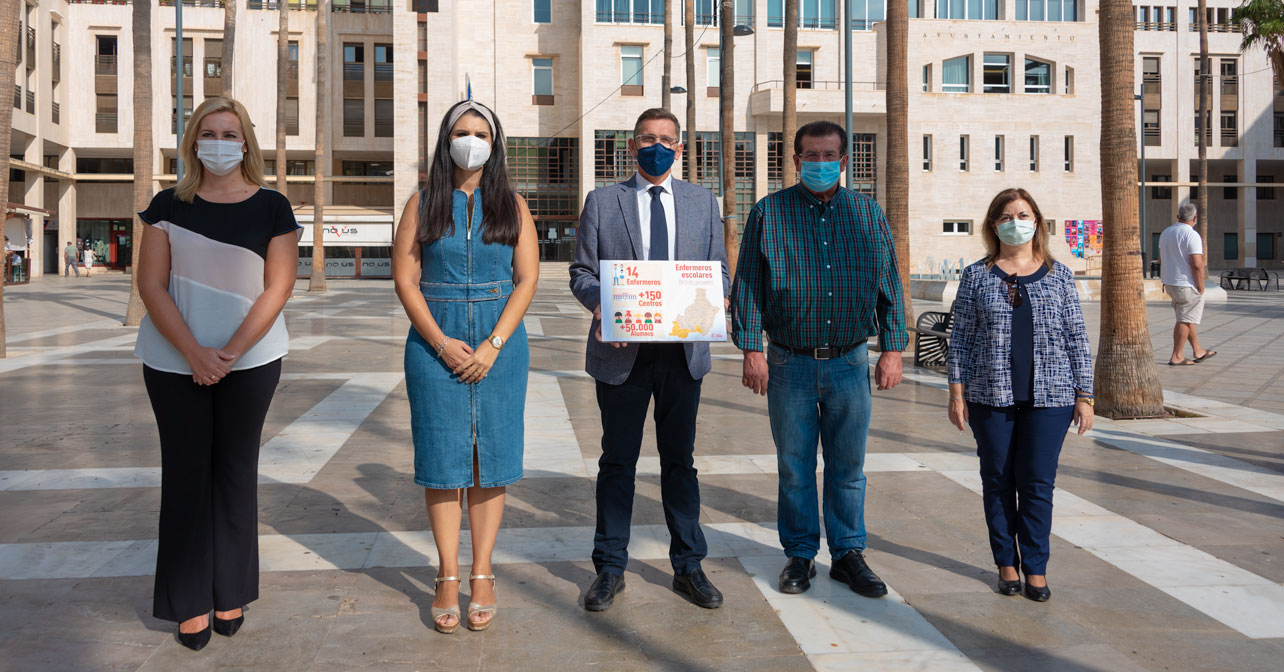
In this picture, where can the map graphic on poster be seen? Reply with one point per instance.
(662, 301)
(1084, 237)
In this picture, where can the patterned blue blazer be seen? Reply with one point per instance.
(981, 339)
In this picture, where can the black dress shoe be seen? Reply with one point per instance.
(1009, 587)
(852, 570)
(603, 591)
(195, 640)
(1040, 594)
(796, 576)
(228, 627)
(697, 588)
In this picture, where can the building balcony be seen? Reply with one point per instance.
(105, 122)
(31, 101)
(31, 48)
(194, 3)
(57, 62)
(105, 65)
(274, 5)
(17, 96)
(818, 98)
(55, 113)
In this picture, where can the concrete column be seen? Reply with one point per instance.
(406, 139)
(34, 195)
(1247, 207)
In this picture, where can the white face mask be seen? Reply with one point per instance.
(220, 157)
(469, 152)
(1016, 232)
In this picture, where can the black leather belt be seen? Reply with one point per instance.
(822, 353)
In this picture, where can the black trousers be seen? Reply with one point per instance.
(660, 371)
(208, 556)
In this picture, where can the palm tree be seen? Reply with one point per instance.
(142, 29)
(316, 283)
(229, 44)
(282, 75)
(689, 20)
(666, 82)
(897, 205)
(1262, 22)
(726, 97)
(1204, 125)
(789, 124)
(9, 25)
(1127, 383)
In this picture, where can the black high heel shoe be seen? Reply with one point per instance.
(1038, 594)
(1009, 587)
(194, 640)
(228, 627)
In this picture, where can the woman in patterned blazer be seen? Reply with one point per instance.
(1020, 371)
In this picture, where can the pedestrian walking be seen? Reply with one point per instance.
(216, 267)
(465, 264)
(69, 260)
(1182, 269)
(89, 258)
(1020, 371)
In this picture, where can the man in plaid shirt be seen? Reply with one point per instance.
(817, 273)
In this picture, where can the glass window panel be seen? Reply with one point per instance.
(974, 9)
(1054, 10)
(997, 77)
(913, 9)
(859, 10)
(543, 11)
(942, 9)
(1036, 10)
(991, 9)
(1037, 76)
(1265, 246)
(1022, 12)
(631, 65)
(958, 9)
(955, 75)
(714, 62)
(543, 76)
(1230, 246)
(877, 11)
(775, 13)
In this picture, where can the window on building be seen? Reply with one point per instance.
(1266, 193)
(612, 162)
(105, 113)
(713, 67)
(121, 166)
(1279, 129)
(805, 59)
(1151, 100)
(292, 116)
(629, 11)
(631, 69)
(542, 81)
(998, 153)
(927, 78)
(963, 152)
(1047, 10)
(1038, 76)
(997, 73)
(1068, 154)
(775, 161)
(1230, 193)
(967, 9)
(866, 13)
(821, 14)
(927, 152)
(213, 59)
(1069, 81)
(366, 168)
(543, 11)
(1230, 246)
(1161, 193)
(383, 124)
(956, 75)
(956, 227)
(864, 163)
(1265, 246)
(187, 57)
(354, 117)
(1230, 128)
(1034, 153)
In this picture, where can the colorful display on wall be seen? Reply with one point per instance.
(1084, 237)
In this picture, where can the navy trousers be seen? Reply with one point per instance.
(660, 371)
(1019, 447)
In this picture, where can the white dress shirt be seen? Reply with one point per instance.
(641, 186)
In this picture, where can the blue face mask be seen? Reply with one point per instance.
(655, 160)
(820, 176)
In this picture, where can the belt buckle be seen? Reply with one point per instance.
(828, 353)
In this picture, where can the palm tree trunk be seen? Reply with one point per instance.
(690, 148)
(316, 283)
(9, 25)
(726, 98)
(142, 29)
(666, 82)
(1127, 383)
(789, 124)
(282, 75)
(897, 206)
(229, 44)
(1205, 124)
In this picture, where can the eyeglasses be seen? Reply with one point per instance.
(819, 156)
(1014, 290)
(648, 140)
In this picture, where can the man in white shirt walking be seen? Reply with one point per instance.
(1182, 268)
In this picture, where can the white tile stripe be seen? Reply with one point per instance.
(1238, 598)
(56, 354)
(30, 336)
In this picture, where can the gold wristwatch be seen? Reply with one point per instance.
(1091, 401)
(497, 341)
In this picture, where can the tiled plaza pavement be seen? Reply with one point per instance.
(1168, 551)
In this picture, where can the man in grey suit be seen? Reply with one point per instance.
(652, 216)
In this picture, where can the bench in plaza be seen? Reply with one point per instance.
(1246, 278)
(932, 347)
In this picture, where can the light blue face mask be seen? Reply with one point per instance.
(820, 176)
(1016, 232)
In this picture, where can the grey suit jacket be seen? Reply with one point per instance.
(609, 229)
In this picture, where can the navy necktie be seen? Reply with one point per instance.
(659, 227)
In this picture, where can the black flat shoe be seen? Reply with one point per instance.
(1042, 594)
(603, 591)
(194, 640)
(852, 570)
(228, 627)
(796, 576)
(697, 588)
(1009, 587)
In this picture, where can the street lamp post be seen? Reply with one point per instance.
(178, 69)
(1142, 195)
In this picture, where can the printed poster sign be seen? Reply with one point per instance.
(1084, 237)
(662, 301)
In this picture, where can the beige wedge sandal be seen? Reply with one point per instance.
(438, 612)
(474, 608)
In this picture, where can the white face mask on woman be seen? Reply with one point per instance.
(1016, 231)
(469, 152)
(220, 157)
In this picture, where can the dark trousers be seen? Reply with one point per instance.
(1019, 447)
(208, 555)
(660, 371)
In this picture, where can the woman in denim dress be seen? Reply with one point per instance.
(465, 264)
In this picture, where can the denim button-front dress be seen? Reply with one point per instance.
(466, 283)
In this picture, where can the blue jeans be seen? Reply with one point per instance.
(829, 401)
(1019, 447)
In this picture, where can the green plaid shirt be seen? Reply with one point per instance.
(814, 274)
